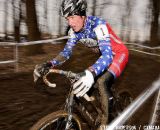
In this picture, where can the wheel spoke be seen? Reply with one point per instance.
(60, 124)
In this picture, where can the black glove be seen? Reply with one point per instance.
(43, 69)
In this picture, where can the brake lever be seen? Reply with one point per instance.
(36, 75)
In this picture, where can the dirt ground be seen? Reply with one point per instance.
(22, 102)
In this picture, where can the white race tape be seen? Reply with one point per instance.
(32, 42)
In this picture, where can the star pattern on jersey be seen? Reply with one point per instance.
(88, 32)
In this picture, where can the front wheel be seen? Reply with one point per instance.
(57, 121)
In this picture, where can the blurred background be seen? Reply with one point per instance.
(27, 20)
(21, 105)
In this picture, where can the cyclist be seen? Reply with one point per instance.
(94, 33)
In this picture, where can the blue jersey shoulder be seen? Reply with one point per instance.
(88, 31)
(95, 21)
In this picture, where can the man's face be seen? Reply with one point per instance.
(76, 22)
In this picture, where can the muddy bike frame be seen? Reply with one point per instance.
(72, 99)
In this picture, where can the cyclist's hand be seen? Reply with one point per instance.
(42, 69)
(83, 85)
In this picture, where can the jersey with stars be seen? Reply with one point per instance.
(95, 28)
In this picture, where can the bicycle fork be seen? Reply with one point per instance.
(69, 109)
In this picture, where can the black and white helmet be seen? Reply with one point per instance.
(73, 7)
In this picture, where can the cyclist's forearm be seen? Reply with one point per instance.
(62, 56)
(58, 60)
(67, 51)
(104, 60)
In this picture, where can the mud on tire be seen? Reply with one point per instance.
(56, 121)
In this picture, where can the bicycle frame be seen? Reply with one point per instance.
(68, 108)
(99, 103)
(71, 99)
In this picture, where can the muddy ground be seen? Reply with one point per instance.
(22, 102)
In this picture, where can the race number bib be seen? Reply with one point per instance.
(101, 32)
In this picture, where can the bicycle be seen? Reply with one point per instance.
(88, 110)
